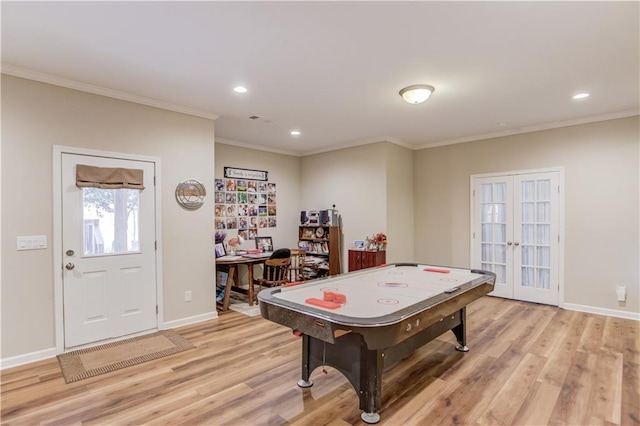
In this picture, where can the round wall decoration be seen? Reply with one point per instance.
(190, 194)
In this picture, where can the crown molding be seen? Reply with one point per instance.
(256, 147)
(536, 128)
(103, 91)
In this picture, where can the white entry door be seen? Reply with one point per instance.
(108, 254)
(516, 234)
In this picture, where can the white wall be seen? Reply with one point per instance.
(400, 204)
(602, 172)
(37, 116)
(355, 180)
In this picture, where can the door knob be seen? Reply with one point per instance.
(509, 243)
(69, 266)
(69, 252)
(516, 243)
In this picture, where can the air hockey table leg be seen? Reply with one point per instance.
(370, 418)
(305, 382)
(460, 331)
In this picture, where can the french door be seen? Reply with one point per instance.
(515, 234)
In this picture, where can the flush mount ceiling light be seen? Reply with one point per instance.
(240, 89)
(417, 93)
(583, 95)
(295, 133)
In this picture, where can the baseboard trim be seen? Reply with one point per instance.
(190, 320)
(16, 361)
(51, 352)
(602, 311)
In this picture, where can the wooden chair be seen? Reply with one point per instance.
(298, 258)
(276, 273)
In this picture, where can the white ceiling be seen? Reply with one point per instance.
(333, 69)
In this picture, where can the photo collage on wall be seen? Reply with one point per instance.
(245, 205)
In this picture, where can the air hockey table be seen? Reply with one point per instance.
(382, 315)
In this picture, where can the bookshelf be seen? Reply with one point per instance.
(322, 244)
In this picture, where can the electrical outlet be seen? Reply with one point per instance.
(187, 296)
(621, 291)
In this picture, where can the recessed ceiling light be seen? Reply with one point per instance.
(295, 133)
(580, 96)
(502, 124)
(240, 89)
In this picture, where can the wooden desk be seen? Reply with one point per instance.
(233, 274)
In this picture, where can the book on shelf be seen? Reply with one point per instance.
(221, 284)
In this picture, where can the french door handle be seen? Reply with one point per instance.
(516, 244)
(69, 266)
(509, 243)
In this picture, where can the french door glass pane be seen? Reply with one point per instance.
(543, 234)
(528, 233)
(487, 213)
(529, 190)
(528, 212)
(500, 212)
(487, 252)
(527, 256)
(486, 233)
(487, 190)
(110, 218)
(500, 253)
(544, 256)
(528, 277)
(500, 233)
(543, 278)
(500, 192)
(544, 190)
(543, 213)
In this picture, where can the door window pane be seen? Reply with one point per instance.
(529, 190)
(110, 218)
(543, 278)
(543, 234)
(500, 252)
(544, 256)
(528, 212)
(487, 253)
(528, 234)
(543, 213)
(500, 192)
(500, 233)
(486, 233)
(486, 189)
(527, 255)
(528, 277)
(487, 211)
(544, 190)
(500, 213)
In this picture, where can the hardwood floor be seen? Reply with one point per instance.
(528, 365)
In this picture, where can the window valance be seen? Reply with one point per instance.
(108, 178)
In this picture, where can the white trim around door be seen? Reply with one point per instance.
(474, 253)
(58, 152)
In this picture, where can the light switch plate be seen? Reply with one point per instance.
(34, 242)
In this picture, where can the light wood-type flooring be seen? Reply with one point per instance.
(528, 365)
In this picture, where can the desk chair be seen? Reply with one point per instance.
(276, 269)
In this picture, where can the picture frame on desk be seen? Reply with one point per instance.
(358, 244)
(220, 250)
(265, 243)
